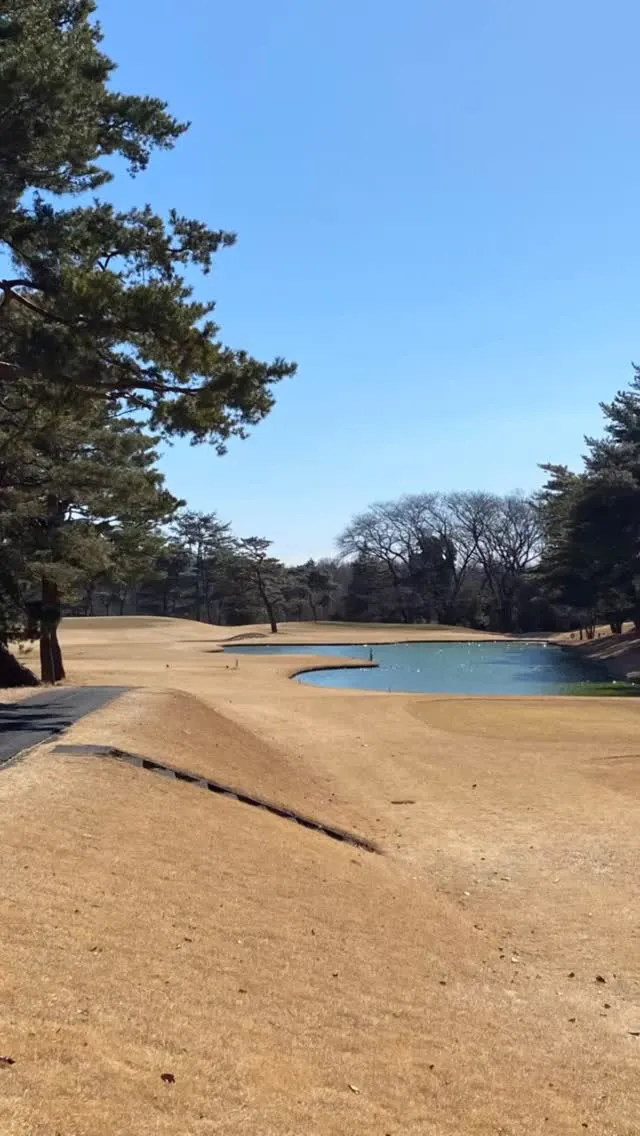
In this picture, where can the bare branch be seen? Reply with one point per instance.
(7, 285)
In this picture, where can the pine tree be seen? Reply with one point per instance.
(264, 573)
(97, 302)
(68, 494)
(592, 520)
(97, 320)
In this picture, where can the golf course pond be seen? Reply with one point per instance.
(476, 667)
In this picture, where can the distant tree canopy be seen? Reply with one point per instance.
(446, 558)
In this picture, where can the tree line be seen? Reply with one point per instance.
(105, 352)
(196, 568)
(564, 557)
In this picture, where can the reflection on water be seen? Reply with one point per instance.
(446, 668)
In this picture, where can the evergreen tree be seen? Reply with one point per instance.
(97, 302)
(97, 321)
(82, 480)
(264, 573)
(207, 542)
(592, 520)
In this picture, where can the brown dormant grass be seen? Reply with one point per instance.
(291, 984)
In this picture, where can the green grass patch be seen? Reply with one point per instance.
(610, 689)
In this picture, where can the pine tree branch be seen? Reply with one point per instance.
(43, 311)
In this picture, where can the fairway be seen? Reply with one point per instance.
(479, 976)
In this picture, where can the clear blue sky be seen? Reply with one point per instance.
(438, 216)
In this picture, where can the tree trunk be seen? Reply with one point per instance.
(269, 609)
(47, 665)
(271, 615)
(264, 596)
(51, 666)
(395, 583)
(198, 591)
(507, 622)
(88, 598)
(58, 665)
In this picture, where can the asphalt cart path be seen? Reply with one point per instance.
(46, 714)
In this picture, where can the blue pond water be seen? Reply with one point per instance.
(445, 668)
